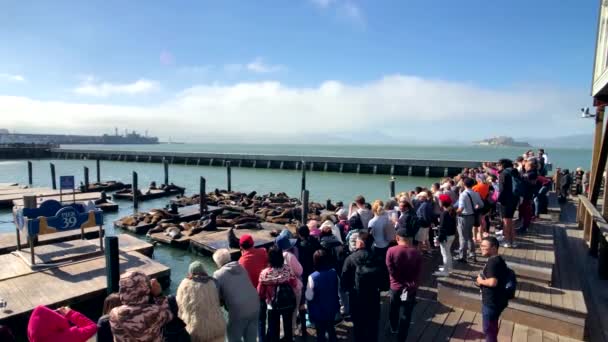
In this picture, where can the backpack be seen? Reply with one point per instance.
(511, 284)
(284, 298)
(367, 276)
(354, 222)
(517, 185)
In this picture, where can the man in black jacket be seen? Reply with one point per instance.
(508, 201)
(360, 277)
(307, 246)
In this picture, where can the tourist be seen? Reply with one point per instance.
(407, 217)
(483, 189)
(468, 202)
(492, 282)
(143, 312)
(391, 209)
(565, 184)
(63, 324)
(541, 200)
(359, 215)
(175, 330)
(322, 296)
(530, 188)
(507, 199)
(446, 234)
(586, 181)
(383, 231)
(238, 296)
(307, 246)
(287, 244)
(104, 331)
(578, 180)
(426, 218)
(404, 263)
(199, 305)
(313, 227)
(254, 260)
(273, 287)
(342, 223)
(360, 278)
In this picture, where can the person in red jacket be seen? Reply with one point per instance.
(56, 325)
(254, 260)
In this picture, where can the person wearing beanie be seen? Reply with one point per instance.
(287, 244)
(447, 234)
(307, 246)
(254, 260)
(46, 325)
(138, 316)
(238, 296)
(199, 305)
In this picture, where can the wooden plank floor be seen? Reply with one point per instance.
(68, 284)
(13, 266)
(8, 241)
(80, 197)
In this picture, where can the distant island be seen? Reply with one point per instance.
(502, 141)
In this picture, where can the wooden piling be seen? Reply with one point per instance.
(134, 189)
(53, 178)
(203, 196)
(303, 176)
(112, 265)
(29, 173)
(305, 194)
(97, 162)
(391, 183)
(86, 178)
(166, 166)
(229, 176)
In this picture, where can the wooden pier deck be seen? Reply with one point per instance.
(212, 241)
(8, 241)
(6, 200)
(66, 284)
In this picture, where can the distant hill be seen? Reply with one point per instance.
(568, 141)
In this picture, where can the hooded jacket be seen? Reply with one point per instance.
(137, 319)
(236, 292)
(48, 325)
(199, 307)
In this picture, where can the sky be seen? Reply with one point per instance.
(311, 71)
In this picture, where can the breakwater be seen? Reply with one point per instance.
(388, 166)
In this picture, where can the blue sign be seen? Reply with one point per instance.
(66, 182)
(52, 217)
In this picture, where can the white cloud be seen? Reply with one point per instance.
(12, 77)
(263, 110)
(258, 65)
(92, 87)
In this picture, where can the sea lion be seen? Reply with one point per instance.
(233, 241)
(248, 225)
(173, 233)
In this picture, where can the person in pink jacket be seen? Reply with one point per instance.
(56, 325)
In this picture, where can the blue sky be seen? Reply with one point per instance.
(372, 69)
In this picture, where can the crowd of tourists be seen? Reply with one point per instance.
(338, 269)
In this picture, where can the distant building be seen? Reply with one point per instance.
(128, 138)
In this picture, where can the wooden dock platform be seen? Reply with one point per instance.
(148, 194)
(68, 284)
(6, 200)
(69, 198)
(8, 241)
(207, 244)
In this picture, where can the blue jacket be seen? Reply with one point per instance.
(324, 304)
(425, 214)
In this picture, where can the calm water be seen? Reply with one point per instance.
(322, 185)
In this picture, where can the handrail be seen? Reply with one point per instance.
(602, 224)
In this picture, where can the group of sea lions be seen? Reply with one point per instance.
(177, 230)
(154, 216)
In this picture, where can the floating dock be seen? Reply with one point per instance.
(69, 283)
(148, 194)
(387, 166)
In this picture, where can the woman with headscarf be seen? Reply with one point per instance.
(274, 285)
(137, 319)
(199, 305)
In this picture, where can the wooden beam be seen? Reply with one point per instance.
(600, 153)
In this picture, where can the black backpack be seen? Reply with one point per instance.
(354, 222)
(284, 298)
(510, 284)
(367, 276)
